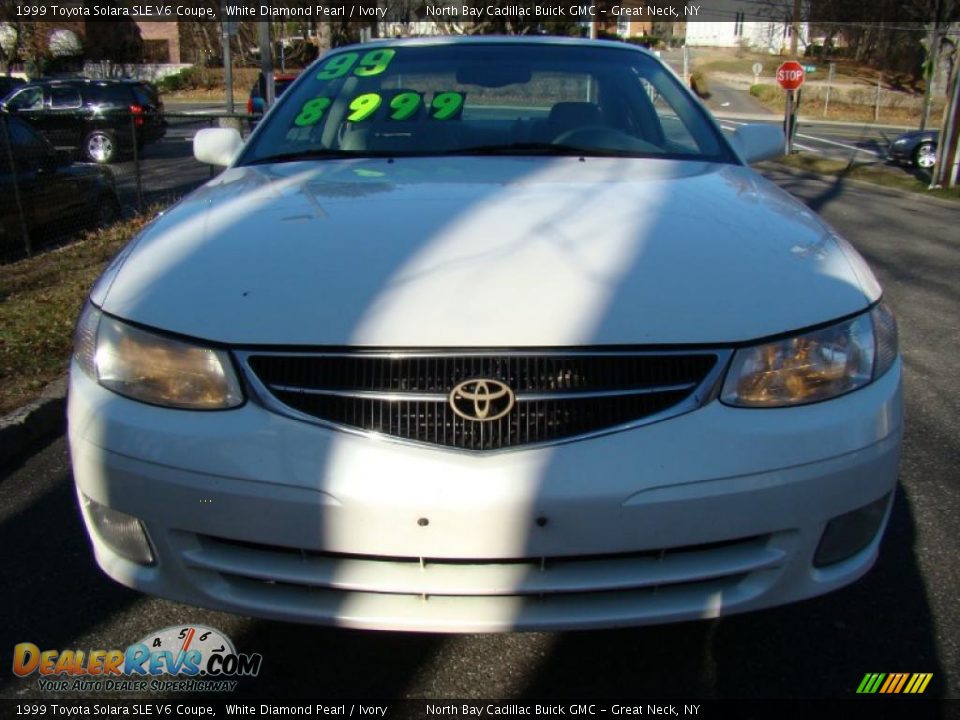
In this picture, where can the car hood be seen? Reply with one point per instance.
(471, 252)
(918, 135)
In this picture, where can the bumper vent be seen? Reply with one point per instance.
(730, 560)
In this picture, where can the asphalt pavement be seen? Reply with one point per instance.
(902, 617)
(167, 168)
(850, 142)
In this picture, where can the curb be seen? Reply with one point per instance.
(21, 430)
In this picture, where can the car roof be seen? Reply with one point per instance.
(281, 76)
(87, 81)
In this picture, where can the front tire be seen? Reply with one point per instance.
(925, 156)
(100, 147)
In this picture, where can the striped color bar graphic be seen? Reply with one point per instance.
(894, 683)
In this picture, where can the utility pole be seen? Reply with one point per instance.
(930, 75)
(831, 76)
(266, 64)
(933, 60)
(795, 29)
(947, 169)
(228, 30)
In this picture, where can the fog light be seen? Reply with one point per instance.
(123, 533)
(848, 534)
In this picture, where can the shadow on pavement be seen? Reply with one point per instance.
(817, 648)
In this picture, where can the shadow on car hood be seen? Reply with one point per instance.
(471, 252)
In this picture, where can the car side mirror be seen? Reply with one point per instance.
(217, 146)
(759, 142)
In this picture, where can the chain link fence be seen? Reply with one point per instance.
(54, 185)
(165, 170)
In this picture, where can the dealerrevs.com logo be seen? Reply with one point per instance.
(194, 658)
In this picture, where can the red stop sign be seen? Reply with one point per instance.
(790, 75)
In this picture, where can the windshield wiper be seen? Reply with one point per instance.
(536, 148)
(519, 148)
(315, 154)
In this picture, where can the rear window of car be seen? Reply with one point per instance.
(111, 94)
(142, 96)
(145, 94)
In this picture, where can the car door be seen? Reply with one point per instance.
(63, 125)
(13, 220)
(49, 193)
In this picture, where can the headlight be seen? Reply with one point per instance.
(153, 368)
(814, 366)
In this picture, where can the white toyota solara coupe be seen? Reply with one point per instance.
(486, 334)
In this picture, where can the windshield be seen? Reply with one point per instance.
(487, 98)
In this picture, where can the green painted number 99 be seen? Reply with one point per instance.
(373, 63)
(337, 66)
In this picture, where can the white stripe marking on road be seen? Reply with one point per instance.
(815, 139)
(840, 144)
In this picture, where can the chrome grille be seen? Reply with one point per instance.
(559, 395)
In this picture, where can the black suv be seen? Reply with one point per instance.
(99, 118)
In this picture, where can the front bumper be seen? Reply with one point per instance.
(714, 512)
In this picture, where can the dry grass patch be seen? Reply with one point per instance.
(853, 104)
(40, 298)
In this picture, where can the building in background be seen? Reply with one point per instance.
(632, 28)
(768, 35)
(161, 41)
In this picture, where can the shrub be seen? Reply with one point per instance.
(179, 81)
(204, 78)
(647, 41)
(766, 93)
(699, 84)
